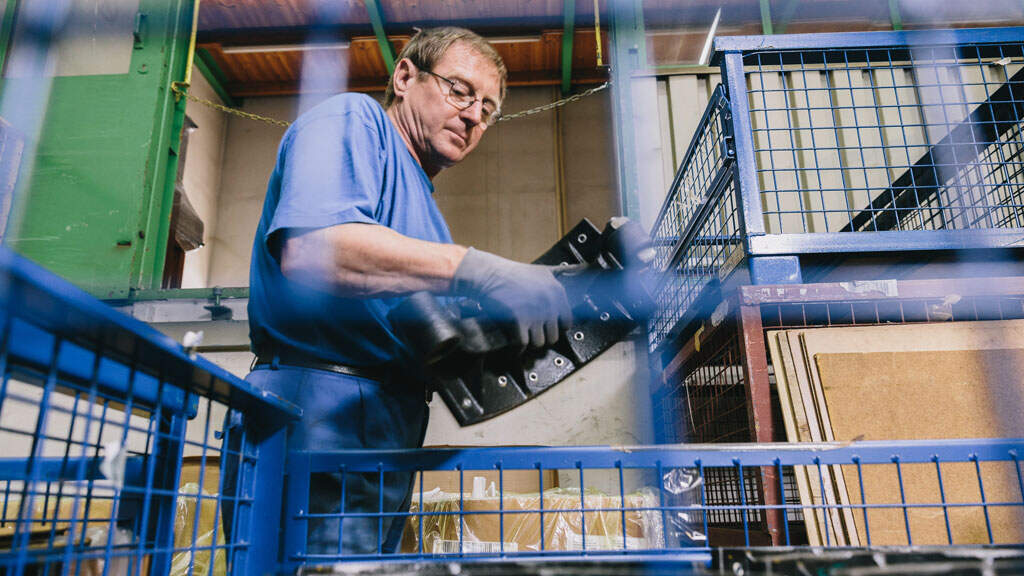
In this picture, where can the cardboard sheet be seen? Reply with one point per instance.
(810, 405)
(794, 419)
(922, 395)
(829, 478)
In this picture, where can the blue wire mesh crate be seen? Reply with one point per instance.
(825, 146)
(856, 495)
(97, 414)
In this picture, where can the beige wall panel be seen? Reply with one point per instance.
(589, 159)
(202, 177)
(514, 170)
(249, 154)
(687, 108)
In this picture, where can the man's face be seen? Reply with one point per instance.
(444, 134)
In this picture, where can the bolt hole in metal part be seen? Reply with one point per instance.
(605, 316)
(559, 362)
(533, 377)
(466, 402)
(502, 381)
(582, 238)
(578, 336)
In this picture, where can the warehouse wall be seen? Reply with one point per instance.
(502, 198)
(250, 149)
(202, 176)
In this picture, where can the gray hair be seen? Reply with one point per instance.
(427, 47)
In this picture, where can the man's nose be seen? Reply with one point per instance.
(474, 112)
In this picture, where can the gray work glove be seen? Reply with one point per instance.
(526, 296)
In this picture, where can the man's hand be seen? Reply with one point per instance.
(527, 296)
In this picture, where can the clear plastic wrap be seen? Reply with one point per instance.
(652, 520)
(682, 488)
(565, 529)
(184, 528)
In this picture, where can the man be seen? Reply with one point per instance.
(349, 226)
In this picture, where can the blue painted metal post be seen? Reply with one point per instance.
(296, 504)
(168, 450)
(267, 494)
(773, 269)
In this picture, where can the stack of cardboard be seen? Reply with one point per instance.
(904, 382)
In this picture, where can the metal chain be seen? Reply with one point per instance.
(232, 111)
(554, 104)
(276, 122)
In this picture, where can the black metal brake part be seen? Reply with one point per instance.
(471, 361)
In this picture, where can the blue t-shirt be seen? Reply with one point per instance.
(342, 161)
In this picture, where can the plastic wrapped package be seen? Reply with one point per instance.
(564, 527)
(120, 565)
(184, 528)
(682, 488)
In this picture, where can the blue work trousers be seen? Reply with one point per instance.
(348, 412)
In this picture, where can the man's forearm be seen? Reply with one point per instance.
(366, 261)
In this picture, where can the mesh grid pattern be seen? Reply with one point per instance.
(693, 182)
(119, 455)
(925, 138)
(68, 509)
(704, 260)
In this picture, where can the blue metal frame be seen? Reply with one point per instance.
(81, 375)
(672, 456)
(798, 120)
(743, 459)
(727, 44)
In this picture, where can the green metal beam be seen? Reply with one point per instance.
(7, 30)
(788, 11)
(568, 34)
(187, 293)
(214, 75)
(178, 66)
(894, 15)
(766, 17)
(377, 19)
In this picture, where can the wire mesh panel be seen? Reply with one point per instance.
(705, 259)
(915, 137)
(697, 231)
(97, 413)
(939, 492)
(705, 158)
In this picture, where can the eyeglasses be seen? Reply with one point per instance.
(462, 97)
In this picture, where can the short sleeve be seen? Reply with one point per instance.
(331, 172)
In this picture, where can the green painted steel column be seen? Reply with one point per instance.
(7, 30)
(568, 35)
(894, 15)
(377, 20)
(94, 207)
(628, 55)
(766, 17)
(173, 112)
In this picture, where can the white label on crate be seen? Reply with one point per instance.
(886, 287)
(606, 542)
(472, 547)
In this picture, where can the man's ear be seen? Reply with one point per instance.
(405, 74)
